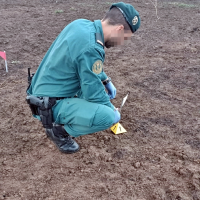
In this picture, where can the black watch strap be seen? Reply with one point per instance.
(107, 81)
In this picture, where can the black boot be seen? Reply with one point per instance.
(62, 139)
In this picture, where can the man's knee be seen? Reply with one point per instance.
(104, 116)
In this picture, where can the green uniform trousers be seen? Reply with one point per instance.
(81, 117)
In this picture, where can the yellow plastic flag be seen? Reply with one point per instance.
(118, 128)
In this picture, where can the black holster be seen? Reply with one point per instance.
(42, 106)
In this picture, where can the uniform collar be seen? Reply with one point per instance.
(99, 29)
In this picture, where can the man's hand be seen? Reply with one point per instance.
(111, 90)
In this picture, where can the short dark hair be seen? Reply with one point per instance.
(115, 17)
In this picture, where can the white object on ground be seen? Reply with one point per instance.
(123, 101)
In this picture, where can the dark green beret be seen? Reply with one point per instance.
(130, 14)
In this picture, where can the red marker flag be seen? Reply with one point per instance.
(3, 55)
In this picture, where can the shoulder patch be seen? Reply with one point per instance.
(97, 67)
(99, 39)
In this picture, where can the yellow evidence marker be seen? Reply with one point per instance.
(118, 128)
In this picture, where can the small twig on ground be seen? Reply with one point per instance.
(156, 7)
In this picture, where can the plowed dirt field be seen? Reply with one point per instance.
(159, 156)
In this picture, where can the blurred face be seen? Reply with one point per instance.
(118, 36)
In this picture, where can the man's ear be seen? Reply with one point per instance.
(120, 27)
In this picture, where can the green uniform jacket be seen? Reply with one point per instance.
(73, 65)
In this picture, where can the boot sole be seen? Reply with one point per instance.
(67, 152)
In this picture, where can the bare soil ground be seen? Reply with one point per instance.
(158, 157)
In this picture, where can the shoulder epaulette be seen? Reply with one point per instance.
(99, 39)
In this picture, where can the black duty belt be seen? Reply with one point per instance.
(59, 98)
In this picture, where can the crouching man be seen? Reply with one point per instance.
(72, 79)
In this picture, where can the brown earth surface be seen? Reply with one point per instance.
(158, 157)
